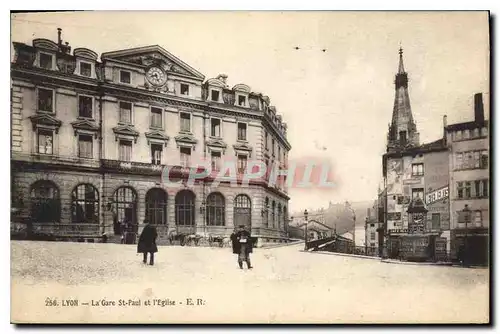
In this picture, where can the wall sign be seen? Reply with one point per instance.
(393, 215)
(437, 195)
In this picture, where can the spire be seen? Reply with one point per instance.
(402, 130)
(401, 69)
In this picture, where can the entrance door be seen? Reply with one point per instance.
(243, 211)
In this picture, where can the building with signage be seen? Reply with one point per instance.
(416, 217)
(91, 137)
(469, 186)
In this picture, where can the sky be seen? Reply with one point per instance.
(337, 103)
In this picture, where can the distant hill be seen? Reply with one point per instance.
(338, 216)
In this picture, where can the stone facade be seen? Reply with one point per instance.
(118, 122)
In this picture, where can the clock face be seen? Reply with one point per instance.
(156, 76)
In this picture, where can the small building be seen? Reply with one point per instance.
(469, 186)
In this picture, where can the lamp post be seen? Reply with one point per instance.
(305, 235)
(466, 211)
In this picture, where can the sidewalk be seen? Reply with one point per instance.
(417, 263)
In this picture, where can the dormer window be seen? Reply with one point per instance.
(85, 69)
(184, 89)
(125, 77)
(242, 100)
(215, 95)
(46, 61)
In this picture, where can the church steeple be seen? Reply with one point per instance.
(402, 130)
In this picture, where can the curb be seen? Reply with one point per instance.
(449, 264)
(343, 254)
(280, 245)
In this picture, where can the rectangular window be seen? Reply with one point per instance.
(242, 131)
(436, 221)
(273, 147)
(216, 158)
(156, 117)
(242, 163)
(45, 100)
(185, 156)
(156, 150)
(372, 236)
(185, 122)
(467, 189)
(242, 100)
(85, 104)
(478, 218)
(85, 146)
(417, 192)
(125, 150)
(85, 69)
(484, 159)
(125, 77)
(184, 89)
(266, 140)
(45, 142)
(417, 169)
(279, 153)
(215, 127)
(459, 161)
(460, 189)
(215, 95)
(46, 61)
(126, 112)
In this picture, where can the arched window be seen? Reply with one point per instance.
(125, 208)
(242, 211)
(265, 213)
(156, 206)
(45, 202)
(85, 204)
(216, 210)
(273, 214)
(184, 208)
(279, 217)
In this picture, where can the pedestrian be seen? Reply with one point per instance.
(242, 245)
(147, 243)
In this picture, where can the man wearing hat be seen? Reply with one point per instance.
(242, 245)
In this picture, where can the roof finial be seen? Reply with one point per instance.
(401, 68)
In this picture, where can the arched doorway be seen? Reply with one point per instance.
(156, 206)
(243, 211)
(125, 208)
(45, 202)
(184, 208)
(216, 210)
(85, 204)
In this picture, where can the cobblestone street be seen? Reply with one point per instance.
(286, 285)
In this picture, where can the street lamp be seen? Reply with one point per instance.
(467, 213)
(305, 236)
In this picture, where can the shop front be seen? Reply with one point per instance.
(471, 246)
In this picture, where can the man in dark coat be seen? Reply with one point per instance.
(147, 243)
(242, 245)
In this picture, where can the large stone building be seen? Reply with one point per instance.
(469, 186)
(417, 219)
(91, 138)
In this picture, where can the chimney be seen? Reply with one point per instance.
(478, 108)
(59, 40)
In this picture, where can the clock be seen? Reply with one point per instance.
(156, 76)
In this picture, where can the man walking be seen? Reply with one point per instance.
(242, 245)
(147, 243)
